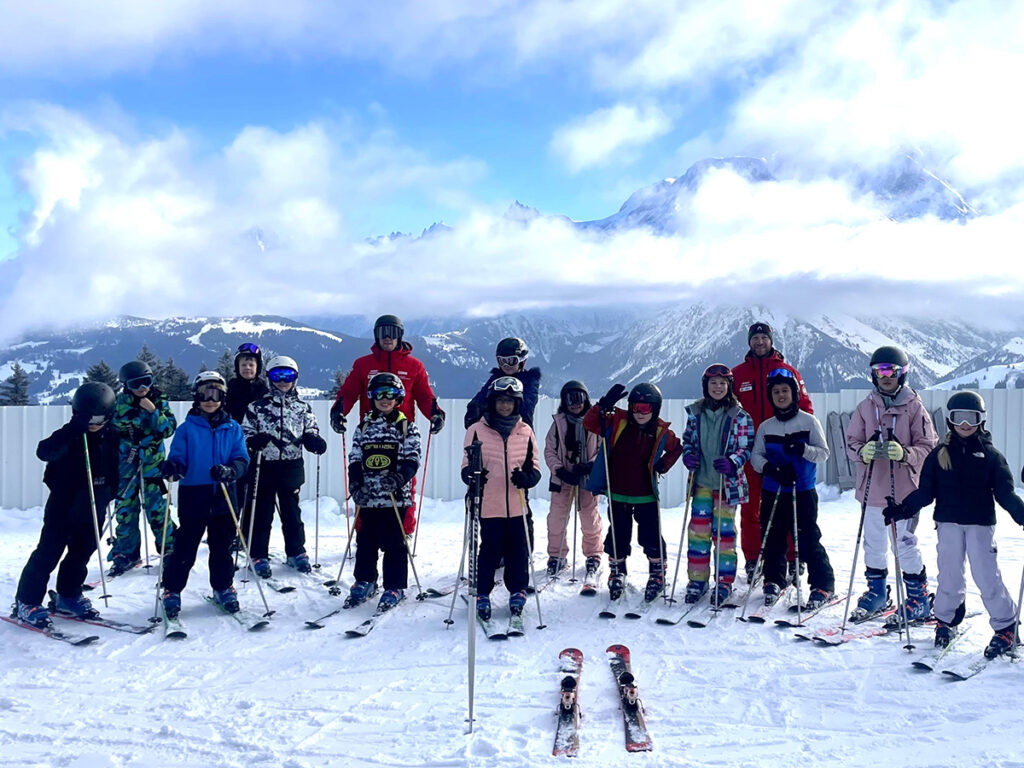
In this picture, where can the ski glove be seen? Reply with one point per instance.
(724, 466)
(355, 478)
(258, 442)
(893, 450)
(894, 511)
(691, 461)
(870, 451)
(222, 473)
(793, 446)
(611, 397)
(391, 482)
(783, 474)
(524, 478)
(567, 476)
(467, 476)
(79, 423)
(437, 417)
(660, 466)
(313, 443)
(172, 470)
(338, 421)
(583, 469)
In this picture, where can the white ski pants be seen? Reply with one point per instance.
(878, 541)
(977, 543)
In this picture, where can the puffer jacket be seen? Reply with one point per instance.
(610, 427)
(284, 417)
(736, 442)
(530, 379)
(142, 433)
(556, 449)
(201, 442)
(500, 456)
(383, 444)
(911, 426)
(769, 445)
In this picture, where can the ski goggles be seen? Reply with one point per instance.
(139, 382)
(888, 370)
(99, 419)
(966, 418)
(510, 361)
(575, 397)
(209, 394)
(783, 373)
(388, 332)
(718, 369)
(248, 349)
(642, 408)
(508, 385)
(385, 393)
(282, 374)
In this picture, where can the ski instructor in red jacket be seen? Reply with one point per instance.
(749, 382)
(390, 354)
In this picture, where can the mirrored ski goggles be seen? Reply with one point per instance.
(209, 394)
(718, 369)
(388, 332)
(575, 397)
(642, 408)
(248, 349)
(510, 361)
(385, 393)
(783, 373)
(141, 382)
(507, 385)
(99, 419)
(282, 374)
(966, 418)
(887, 370)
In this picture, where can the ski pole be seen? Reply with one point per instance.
(95, 521)
(529, 565)
(316, 538)
(334, 587)
(758, 564)
(574, 504)
(662, 553)
(155, 619)
(608, 488)
(344, 473)
(682, 536)
(405, 543)
(1016, 621)
(238, 529)
(860, 533)
(253, 491)
(716, 518)
(901, 586)
(462, 564)
(423, 487)
(475, 462)
(796, 560)
(144, 516)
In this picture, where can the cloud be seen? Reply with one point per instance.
(596, 138)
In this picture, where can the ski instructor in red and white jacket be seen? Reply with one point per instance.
(752, 392)
(389, 354)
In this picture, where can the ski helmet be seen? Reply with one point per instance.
(248, 349)
(92, 399)
(282, 368)
(509, 348)
(388, 385)
(388, 327)
(208, 379)
(716, 369)
(890, 361)
(646, 393)
(134, 375)
(965, 407)
(573, 392)
(505, 386)
(782, 376)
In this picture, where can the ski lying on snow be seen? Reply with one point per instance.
(971, 665)
(687, 611)
(366, 627)
(319, 623)
(787, 598)
(612, 607)
(637, 737)
(56, 634)
(567, 731)
(491, 628)
(642, 608)
(251, 621)
(173, 628)
(872, 629)
(824, 634)
(707, 613)
(98, 621)
(516, 626)
(948, 656)
(793, 620)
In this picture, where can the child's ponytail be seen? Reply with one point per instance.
(945, 462)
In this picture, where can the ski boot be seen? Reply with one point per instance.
(772, 592)
(616, 579)
(876, 598)
(33, 615)
(122, 564)
(592, 567)
(655, 580)
(695, 591)
(555, 566)
(721, 593)
(228, 599)
(361, 592)
(236, 545)
(79, 607)
(483, 607)
(172, 604)
(793, 573)
(818, 598)
(918, 602)
(261, 568)
(1001, 641)
(944, 634)
(516, 603)
(748, 568)
(389, 599)
(300, 563)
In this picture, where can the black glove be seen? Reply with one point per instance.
(222, 473)
(567, 476)
(659, 466)
(172, 470)
(467, 476)
(355, 478)
(338, 421)
(258, 442)
(437, 417)
(391, 482)
(894, 511)
(79, 423)
(611, 397)
(793, 446)
(583, 469)
(783, 474)
(313, 443)
(524, 479)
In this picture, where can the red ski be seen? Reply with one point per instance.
(637, 737)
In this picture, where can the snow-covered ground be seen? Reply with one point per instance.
(732, 694)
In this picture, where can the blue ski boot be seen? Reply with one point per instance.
(300, 563)
(918, 602)
(722, 593)
(516, 603)
(261, 568)
(483, 607)
(33, 615)
(76, 606)
(361, 592)
(616, 578)
(695, 591)
(876, 598)
(172, 604)
(228, 599)
(389, 599)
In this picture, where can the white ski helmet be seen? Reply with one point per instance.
(278, 369)
(209, 378)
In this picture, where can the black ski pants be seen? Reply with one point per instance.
(819, 569)
(622, 514)
(280, 488)
(502, 538)
(379, 531)
(201, 511)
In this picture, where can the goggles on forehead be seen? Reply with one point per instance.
(966, 418)
(99, 419)
(384, 393)
(140, 382)
(282, 374)
(718, 369)
(209, 394)
(575, 397)
(510, 360)
(642, 408)
(784, 373)
(887, 370)
(248, 349)
(507, 385)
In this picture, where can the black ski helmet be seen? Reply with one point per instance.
(386, 379)
(782, 376)
(505, 386)
(890, 356)
(646, 392)
(512, 347)
(389, 326)
(965, 400)
(249, 349)
(136, 369)
(582, 396)
(94, 398)
(716, 369)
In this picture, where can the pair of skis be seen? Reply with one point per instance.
(567, 731)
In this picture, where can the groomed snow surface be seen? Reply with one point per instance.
(732, 694)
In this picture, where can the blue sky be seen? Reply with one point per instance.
(167, 133)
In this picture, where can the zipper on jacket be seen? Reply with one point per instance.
(508, 509)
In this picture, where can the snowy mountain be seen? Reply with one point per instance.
(1003, 367)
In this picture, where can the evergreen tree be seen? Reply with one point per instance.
(146, 356)
(174, 382)
(14, 389)
(226, 365)
(339, 380)
(102, 373)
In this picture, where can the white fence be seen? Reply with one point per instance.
(22, 427)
